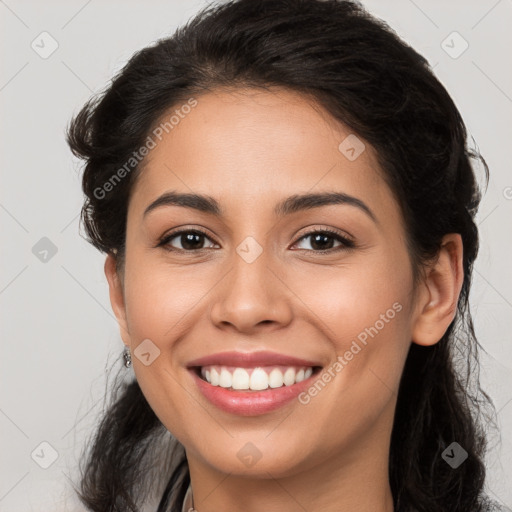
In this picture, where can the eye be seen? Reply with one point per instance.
(189, 239)
(322, 241)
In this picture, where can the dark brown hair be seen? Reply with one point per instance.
(366, 77)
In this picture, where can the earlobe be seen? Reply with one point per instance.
(117, 296)
(439, 297)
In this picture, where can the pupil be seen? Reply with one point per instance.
(190, 241)
(319, 237)
(187, 241)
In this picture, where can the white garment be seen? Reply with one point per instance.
(188, 502)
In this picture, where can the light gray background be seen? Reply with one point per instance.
(58, 334)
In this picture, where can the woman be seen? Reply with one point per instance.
(286, 200)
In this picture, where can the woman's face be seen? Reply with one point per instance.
(258, 281)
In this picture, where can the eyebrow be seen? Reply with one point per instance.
(292, 204)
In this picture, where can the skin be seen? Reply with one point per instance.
(249, 149)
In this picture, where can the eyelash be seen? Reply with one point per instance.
(346, 243)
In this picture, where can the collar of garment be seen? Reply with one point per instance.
(188, 502)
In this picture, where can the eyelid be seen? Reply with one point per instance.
(326, 229)
(164, 240)
(343, 237)
(346, 241)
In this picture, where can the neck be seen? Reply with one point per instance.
(357, 479)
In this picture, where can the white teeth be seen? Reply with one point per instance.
(255, 379)
(275, 379)
(289, 377)
(259, 379)
(214, 377)
(225, 379)
(240, 379)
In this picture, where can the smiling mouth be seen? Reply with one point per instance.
(254, 379)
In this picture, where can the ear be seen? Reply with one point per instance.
(117, 296)
(437, 301)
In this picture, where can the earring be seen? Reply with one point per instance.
(127, 357)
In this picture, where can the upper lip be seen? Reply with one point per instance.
(251, 360)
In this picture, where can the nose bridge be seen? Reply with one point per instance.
(250, 293)
(251, 267)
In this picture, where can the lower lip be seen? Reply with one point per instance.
(251, 403)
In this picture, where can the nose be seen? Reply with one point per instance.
(252, 297)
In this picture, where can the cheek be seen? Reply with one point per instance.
(364, 312)
(162, 304)
(349, 298)
(160, 297)
(368, 329)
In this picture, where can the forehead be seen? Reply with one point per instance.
(243, 146)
